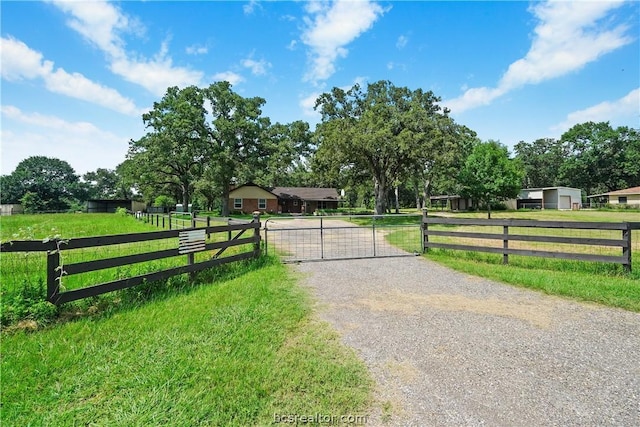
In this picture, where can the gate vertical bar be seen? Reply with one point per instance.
(321, 240)
(373, 228)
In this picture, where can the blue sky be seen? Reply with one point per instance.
(77, 76)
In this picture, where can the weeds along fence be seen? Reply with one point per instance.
(606, 242)
(113, 262)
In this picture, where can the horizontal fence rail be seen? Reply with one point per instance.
(465, 238)
(186, 242)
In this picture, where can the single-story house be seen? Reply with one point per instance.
(250, 197)
(550, 198)
(627, 196)
(110, 205)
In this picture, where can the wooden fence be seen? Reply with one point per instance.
(622, 244)
(190, 241)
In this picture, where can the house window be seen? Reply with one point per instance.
(622, 200)
(295, 203)
(237, 203)
(262, 203)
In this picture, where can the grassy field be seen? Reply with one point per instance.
(602, 283)
(234, 351)
(28, 270)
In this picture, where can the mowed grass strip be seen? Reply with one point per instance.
(235, 352)
(601, 283)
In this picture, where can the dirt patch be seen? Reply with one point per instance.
(537, 315)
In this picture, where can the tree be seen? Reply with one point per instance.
(234, 136)
(173, 151)
(385, 131)
(542, 161)
(490, 175)
(52, 182)
(102, 183)
(601, 158)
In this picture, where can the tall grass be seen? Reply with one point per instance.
(24, 273)
(232, 352)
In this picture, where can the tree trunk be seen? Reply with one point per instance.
(380, 192)
(397, 200)
(426, 197)
(225, 200)
(489, 210)
(185, 196)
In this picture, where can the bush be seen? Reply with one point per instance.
(122, 211)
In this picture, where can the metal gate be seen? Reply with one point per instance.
(297, 239)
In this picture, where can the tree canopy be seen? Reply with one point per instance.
(49, 184)
(489, 174)
(387, 131)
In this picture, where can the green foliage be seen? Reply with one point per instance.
(165, 202)
(47, 183)
(122, 211)
(32, 203)
(591, 156)
(383, 133)
(489, 175)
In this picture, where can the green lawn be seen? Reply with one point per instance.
(233, 352)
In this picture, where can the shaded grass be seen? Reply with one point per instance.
(232, 353)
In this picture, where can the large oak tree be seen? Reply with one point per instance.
(385, 130)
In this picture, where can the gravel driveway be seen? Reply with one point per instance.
(446, 348)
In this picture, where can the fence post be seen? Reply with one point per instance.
(169, 220)
(425, 232)
(162, 221)
(53, 283)
(208, 225)
(157, 220)
(256, 235)
(505, 244)
(626, 250)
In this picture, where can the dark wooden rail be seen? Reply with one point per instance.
(192, 240)
(624, 243)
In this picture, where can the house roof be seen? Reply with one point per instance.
(623, 192)
(306, 193)
(251, 184)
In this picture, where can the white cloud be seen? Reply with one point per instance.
(258, 68)
(625, 109)
(196, 50)
(402, 42)
(19, 62)
(330, 28)
(307, 103)
(228, 76)
(292, 45)
(54, 137)
(102, 24)
(568, 36)
(250, 7)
